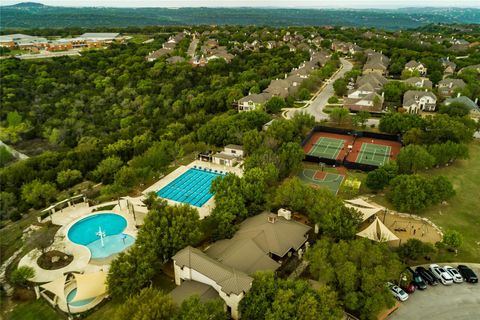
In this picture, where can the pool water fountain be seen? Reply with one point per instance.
(103, 234)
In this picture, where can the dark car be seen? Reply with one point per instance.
(409, 288)
(467, 274)
(417, 279)
(427, 276)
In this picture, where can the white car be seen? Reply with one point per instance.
(442, 275)
(397, 292)
(457, 277)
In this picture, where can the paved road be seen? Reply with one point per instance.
(320, 99)
(458, 301)
(192, 48)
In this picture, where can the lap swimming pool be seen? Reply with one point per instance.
(192, 187)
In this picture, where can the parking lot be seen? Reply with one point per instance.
(457, 301)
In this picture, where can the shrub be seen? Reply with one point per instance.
(21, 275)
(333, 99)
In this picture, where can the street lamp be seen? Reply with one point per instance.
(402, 277)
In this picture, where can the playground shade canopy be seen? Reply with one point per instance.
(360, 202)
(57, 287)
(366, 212)
(377, 231)
(90, 285)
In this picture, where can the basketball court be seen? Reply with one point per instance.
(329, 180)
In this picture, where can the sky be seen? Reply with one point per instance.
(257, 3)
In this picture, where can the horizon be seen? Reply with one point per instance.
(232, 4)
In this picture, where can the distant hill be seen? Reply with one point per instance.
(36, 15)
(28, 5)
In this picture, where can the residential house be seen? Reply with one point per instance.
(261, 244)
(152, 56)
(449, 67)
(175, 59)
(376, 63)
(446, 87)
(375, 79)
(419, 82)
(472, 105)
(280, 88)
(413, 66)
(415, 101)
(253, 102)
(371, 102)
(475, 67)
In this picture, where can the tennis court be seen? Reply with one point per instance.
(373, 154)
(191, 187)
(326, 147)
(328, 180)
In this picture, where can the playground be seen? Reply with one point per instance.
(328, 180)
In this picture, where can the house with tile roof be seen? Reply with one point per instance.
(415, 101)
(260, 244)
(419, 82)
(413, 66)
(446, 87)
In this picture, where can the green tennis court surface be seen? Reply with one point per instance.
(328, 180)
(373, 154)
(327, 148)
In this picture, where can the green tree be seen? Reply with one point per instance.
(357, 270)
(167, 229)
(38, 194)
(149, 303)
(68, 178)
(106, 169)
(414, 249)
(252, 140)
(413, 158)
(273, 298)
(21, 275)
(5, 156)
(275, 104)
(360, 118)
(303, 94)
(380, 177)
(339, 115)
(332, 100)
(130, 272)
(7, 205)
(193, 308)
(454, 109)
(453, 238)
(340, 87)
(396, 122)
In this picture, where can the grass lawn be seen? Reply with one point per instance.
(35, 310)
(463, 210)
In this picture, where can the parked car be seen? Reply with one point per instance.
(427, 276)
(443, 276)
(409, 288)
(457, 277)
(467, 273)
(417, 279)
(397, 292)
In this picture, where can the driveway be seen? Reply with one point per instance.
(458, 301)
(320, 99)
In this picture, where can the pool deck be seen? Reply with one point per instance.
(208, 206)
(81, 254)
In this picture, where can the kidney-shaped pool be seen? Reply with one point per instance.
(102, 234)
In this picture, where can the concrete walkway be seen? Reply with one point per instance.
(15, 153)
